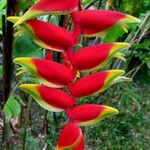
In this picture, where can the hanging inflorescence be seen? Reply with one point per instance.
(59, 83)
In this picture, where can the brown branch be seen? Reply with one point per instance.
(7, 64)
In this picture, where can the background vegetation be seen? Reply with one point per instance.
(127, 131)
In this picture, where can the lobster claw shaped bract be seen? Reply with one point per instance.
(96, 56)
(49, 7)
(50, 99)
(47, 35)
(48, 72)
(94, 83)
(89, 114)
(70, 137)
(95, 22)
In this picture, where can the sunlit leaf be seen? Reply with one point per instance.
(12, 108)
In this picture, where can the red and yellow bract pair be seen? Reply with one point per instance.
(85, 86)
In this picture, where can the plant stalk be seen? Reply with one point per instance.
(7, 50)
(7, 64)
(26, 122)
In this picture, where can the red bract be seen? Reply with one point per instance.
(70, 137)
(88, 114)
(49, 98)
(93, 22)
(49, 7)
(52, 37)
(80, 146)
(48, 72)
(96, 55)
(47, 35)
(94, 83)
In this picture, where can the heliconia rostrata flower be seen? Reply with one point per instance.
(52, 75)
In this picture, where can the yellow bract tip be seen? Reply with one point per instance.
(133, 19)
(121, 45)
(130, 19)
(28, 15)
(13, 19)
(22, 60)
(31, 89)
(112, 74)
(110, 110)
(27, 86)
(107, 112)
(26, 63)
(116, 72)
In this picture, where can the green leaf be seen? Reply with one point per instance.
(12, 108)
(2, 4)
(24, 4)
(7, 113)
(113, 34)
(26, 47)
